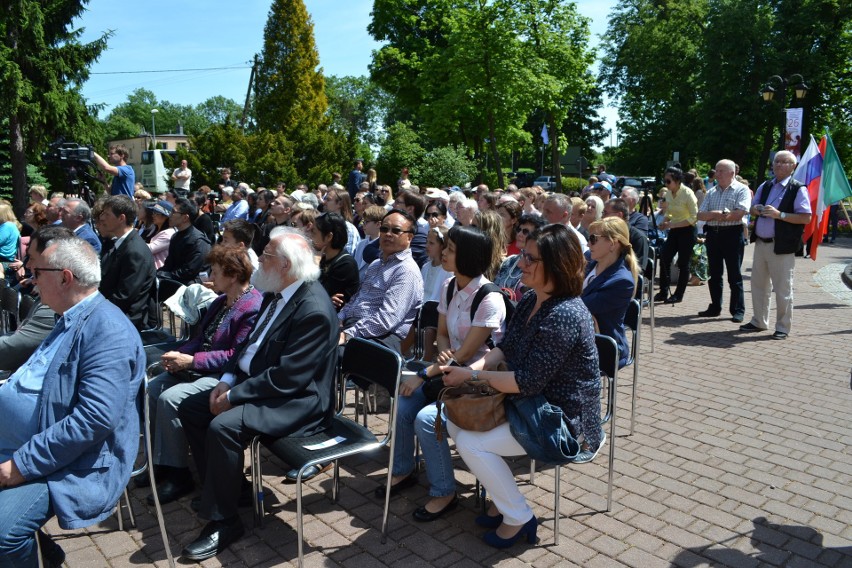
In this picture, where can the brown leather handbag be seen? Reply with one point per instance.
(474, 405)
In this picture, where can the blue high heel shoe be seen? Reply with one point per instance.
(489, 522)
(528, 530)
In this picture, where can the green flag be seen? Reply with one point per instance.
(834, 183)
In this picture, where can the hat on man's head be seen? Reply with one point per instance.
(603, 185)
(310, 199)
(435, 193)
(162, 207)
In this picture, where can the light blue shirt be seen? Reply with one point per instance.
(19, 396)
(237, 210)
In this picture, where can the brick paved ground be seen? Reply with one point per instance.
(741, 457)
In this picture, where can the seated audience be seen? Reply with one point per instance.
(385, 305)
(187, 249)
(549, 349)
(462, 337)
(509, 275)
(338, 201)
(490, 223)
(510, 212)
(128, 270)
(557, 209)
(160, 234)
(74, 409)
(77, 216)
(240, 233)
(610, 280)
(338, 270)
(196, 365)
(372, 218)
(638, 239)
(280, 382)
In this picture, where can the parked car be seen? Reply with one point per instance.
(547, 183)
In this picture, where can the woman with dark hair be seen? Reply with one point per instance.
(338, 201)
(509, 275)
(436, 214)
(610, 281)
(196, 366)
(161, 234)
(338, 269)
(681, 216)
(461, 338)
(510, 212)
(548, 364)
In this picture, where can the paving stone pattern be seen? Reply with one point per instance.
(741, 458)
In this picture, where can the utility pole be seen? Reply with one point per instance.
(248, 94)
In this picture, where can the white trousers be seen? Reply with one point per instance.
(770, 271)
(483, 453)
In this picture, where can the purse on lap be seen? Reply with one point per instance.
(474, 406)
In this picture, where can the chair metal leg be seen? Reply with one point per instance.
(257, 482)
(130, 514)
(532, 472)
(38, 552)
(160, 521)
(299, 521)
(335, 482)
(611, 449)
(118, 516)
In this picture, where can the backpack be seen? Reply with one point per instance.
(483, 291)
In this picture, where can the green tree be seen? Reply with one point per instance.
(289, 86)
(42, 67)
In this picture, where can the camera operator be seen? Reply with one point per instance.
(123, 179)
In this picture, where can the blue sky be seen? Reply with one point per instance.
(201, 34)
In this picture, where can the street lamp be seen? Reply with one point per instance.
(154, 126)
(768, 93)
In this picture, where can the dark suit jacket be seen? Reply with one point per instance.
(607, 297)
(290, 389)
(127, 276)
(16, 347)
(640, 244)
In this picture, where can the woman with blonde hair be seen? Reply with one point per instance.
(611, 278)
(490, 223)
(594, 211)
(10, 236)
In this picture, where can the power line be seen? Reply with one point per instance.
(167, 70)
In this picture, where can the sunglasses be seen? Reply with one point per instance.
(528, 258)
(433, 215)
(384, 229)
(668, 181)
(358, 200)
(525, 231)
(595, 238)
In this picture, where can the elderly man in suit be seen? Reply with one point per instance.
(74, 407)
(127, 265)
(77, 216)
(279, 382)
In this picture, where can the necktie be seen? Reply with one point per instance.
(269, 312)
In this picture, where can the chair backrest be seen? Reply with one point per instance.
(9, 305)
(631, 318)
(27, 303)
(639, 294)
(372, 362)
(650, 264)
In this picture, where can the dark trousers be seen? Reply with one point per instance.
(218, 444)
(680, 241)
(725, 247)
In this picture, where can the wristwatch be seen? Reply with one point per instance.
(474, 376)
(783, 215)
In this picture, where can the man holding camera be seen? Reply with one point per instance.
(723, 210)
(782, 209)
(123, 178)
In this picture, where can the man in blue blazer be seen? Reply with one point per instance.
(77, 216)
(74, 405)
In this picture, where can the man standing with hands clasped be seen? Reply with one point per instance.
(782, 209)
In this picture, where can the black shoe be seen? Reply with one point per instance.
(737, 318)
(214, 538)
(674, 299)
(404, 483)
(309, 474)
(170, 490)
(750, 327)
(710, 312)
(779, 335)
(660, 297)
(424, 516)
(52, 554)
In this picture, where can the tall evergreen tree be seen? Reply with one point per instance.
(289, 85)
(42, 68)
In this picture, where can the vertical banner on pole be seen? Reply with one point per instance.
(793, 134)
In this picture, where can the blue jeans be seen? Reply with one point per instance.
(415, 417)
(23, 510)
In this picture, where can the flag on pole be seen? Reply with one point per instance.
(821, 171)
(544, 137)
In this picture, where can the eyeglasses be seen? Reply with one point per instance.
(358, 200)
(433, 215)
(384, 191)
(528, 258)
(668, 181)
(384, 229)
(595, 238)
(525, 231)
(270, 254)
(786, 162)
(38, 271)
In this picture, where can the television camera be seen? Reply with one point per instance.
(75, 161)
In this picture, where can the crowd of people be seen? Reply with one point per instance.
(522, 280)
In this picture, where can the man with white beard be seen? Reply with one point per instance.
(279, 382)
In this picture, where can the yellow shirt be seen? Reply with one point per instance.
(682, 207)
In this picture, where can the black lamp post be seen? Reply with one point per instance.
(800, 90)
